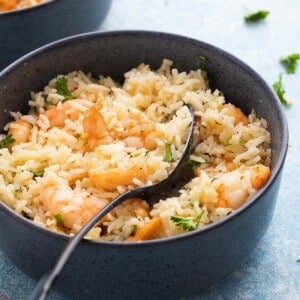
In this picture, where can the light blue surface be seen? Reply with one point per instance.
(272, 271)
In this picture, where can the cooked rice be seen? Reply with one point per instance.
(228, 154)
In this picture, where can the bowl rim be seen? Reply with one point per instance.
(165, 35)
(26, 9)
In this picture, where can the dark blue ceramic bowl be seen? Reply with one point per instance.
(24, 30)
(166, 268)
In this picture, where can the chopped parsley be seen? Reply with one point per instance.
(290, 62)
(59, 220)
(188, 223)
(279, 90)
(243, 141)
(196, 163)
(199, 61)
(168, 153)
(38, 173)
(62, 88)
(256, 16)
(4, 143)
(180, 64)
(226, 144)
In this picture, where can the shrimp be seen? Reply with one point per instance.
(69, 110)
(77, 207)
(8, 4)
(230, 191)
(13, 4)
(72, 207)
(260, 175)
(149, 230)
(72, 175)
(137, 130)
(110, 179)
(135, 206)
(237, 113)
(20, 131)
(138, 207)
(95, 127)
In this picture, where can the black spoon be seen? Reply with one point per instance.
(170, 186)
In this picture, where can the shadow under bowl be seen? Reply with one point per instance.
(166, 268)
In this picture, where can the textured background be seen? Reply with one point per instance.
(273, 269)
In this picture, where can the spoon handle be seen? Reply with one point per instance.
(45, 283)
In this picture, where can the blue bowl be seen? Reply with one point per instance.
(166, 268)
(24, 30)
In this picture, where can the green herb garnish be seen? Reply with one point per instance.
(59, 220)
(256, 16)
(4, 143)
(168, 153)
(38, 173)
(290, 62)
(196, 163)
(62, 88)
(243, 141)
(188, 223)
(279, 90)
(200, 59)
(226, 144)
(180, 64)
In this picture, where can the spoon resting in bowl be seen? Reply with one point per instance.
(170, 186)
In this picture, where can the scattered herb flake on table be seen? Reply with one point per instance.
(256, 16)
(279, 90)
(290, 62)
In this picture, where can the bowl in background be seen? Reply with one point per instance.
(166, 268)
(26, 29)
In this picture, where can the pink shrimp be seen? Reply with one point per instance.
(137, 130)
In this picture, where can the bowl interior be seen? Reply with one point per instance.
(114, 53)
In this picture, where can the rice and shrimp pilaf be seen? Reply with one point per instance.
(86, 140)
(6, 5)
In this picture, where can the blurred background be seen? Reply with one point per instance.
(273, 269)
